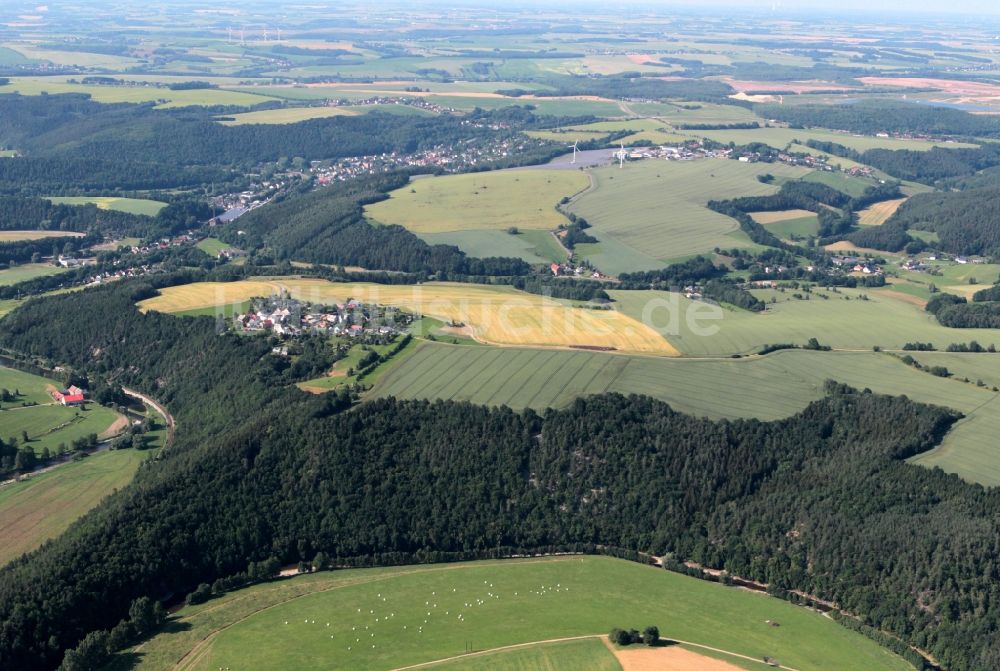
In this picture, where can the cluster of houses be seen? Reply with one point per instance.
(72, 396)
(857, 264)
(569, 270)
(288, 317)
(407, 101)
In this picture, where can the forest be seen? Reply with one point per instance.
(909, 550)
(885, 116)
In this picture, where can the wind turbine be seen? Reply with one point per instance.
(573, 147)
(621, 156)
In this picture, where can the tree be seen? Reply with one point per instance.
(90, 655)
(651, 635)
(25, 459)
(147, 614)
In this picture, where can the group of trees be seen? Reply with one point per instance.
(958, 312)
(650, 636)
(260, 472)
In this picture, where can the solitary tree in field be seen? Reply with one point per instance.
(651, 635)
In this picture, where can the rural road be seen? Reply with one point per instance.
(167, 417)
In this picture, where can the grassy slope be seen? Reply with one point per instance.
(594, 594)
(590, 654)
(44, 506)
(212, 246)
(655, 210)
(480, 201)
(135, 94)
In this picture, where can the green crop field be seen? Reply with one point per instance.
(771, 387)
(389, 618)
(532, 246)
(43, 506)
(28, 271)
(854, 324)
(492, 201)
(652, 211)
(130, 205)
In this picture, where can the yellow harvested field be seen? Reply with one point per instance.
(493, 200)
(779, 215)
(16, 236)
(496, 315)
(877, 214)
(670, 658)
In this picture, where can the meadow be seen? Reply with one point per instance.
(533, 246)
(491, 201)
(392, 617)
(497, 314)
(841, 181)
(650, 212)
(131, 205)
(43, 506)
(212, 246)
(786, 223)
(28, 271)
(343, 370)
(782, 137)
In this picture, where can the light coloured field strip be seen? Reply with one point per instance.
(770, 217)
(503, 648)
(877, 214)
(17, 236)
(498, 315)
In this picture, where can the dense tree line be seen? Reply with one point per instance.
(935, 165)
(965, 221)
(957, 312)
(727, 292)
(883, 116)
(674, 276)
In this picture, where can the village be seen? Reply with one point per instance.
(287, 317)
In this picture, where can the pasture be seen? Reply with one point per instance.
(491, 201)
(43, 506)
(497, 314)
(532, 246)
(852, 186)
(131, 205)
(653, 211)
(379, 619)
(286, 115)
(17, 236)
(212, 246)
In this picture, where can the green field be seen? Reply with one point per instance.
(852, 186)
(492, 201)
(771, 387)
(28, 271)
(133, 94)
(212, 246)
(388, 618)
(782, 137)
(339, 374)
(43, 506)
(130, 205)
(532, 246)
(653, 211)
(853, 324)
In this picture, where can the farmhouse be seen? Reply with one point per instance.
(72, 396)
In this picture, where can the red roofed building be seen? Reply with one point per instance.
(72, 399)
